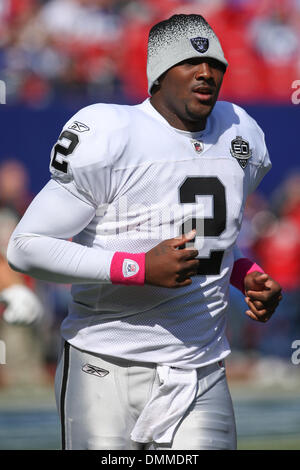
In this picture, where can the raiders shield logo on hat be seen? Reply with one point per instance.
(200, 44)
(240, 150)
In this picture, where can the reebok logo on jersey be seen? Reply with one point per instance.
(130, 268)
(94, 370)
(240, 150)
(79, 127)
(200, 44)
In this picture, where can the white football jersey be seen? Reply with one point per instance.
(149, 182)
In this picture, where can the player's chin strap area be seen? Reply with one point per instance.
(167, 405)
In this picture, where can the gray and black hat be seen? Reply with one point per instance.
(179, 38)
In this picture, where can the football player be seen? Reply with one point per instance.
(153, 198)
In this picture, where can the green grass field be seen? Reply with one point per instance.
(270, 443)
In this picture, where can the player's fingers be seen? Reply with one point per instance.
(183, 275)
(188, 254)
(258, 295)
(261, 278)
(255, 310)
(194, 264)
(274, 288)
(189, 266)
(190, 270)
(183, 282)
(258, 304)
(260, 315)
(192, 267)
(186, 237)
(192, 273)
(268, 298)
(251, 315)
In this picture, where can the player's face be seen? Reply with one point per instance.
(188, 92)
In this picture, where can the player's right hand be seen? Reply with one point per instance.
(166, 266)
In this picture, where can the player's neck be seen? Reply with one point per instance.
(175, 120)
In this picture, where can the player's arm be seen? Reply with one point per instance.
(39, 246)
(262, 293)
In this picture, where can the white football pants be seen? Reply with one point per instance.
(99, 400)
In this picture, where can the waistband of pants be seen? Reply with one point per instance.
(126, 363)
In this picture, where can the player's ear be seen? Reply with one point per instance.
(155, 87)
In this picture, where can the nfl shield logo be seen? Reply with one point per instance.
(198, 146)
(200, 44)
(130, 268)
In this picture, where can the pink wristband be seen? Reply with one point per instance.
(128, 268)
(241, 268)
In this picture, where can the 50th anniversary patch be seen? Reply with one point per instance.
(240, 150)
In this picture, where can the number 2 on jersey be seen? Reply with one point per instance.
(213, 227)
(65, 151)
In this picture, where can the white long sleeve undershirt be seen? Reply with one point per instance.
(39, 245)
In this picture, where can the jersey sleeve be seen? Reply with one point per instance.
(260, 171)
(260, 162)
(82, 158)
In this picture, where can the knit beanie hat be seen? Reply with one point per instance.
(179, 38)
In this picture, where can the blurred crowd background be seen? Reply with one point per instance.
(64, 54)
(96, 49)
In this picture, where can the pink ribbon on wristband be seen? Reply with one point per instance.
(128, 268)
(241, 268)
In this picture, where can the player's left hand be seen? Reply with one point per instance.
(263, 294)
